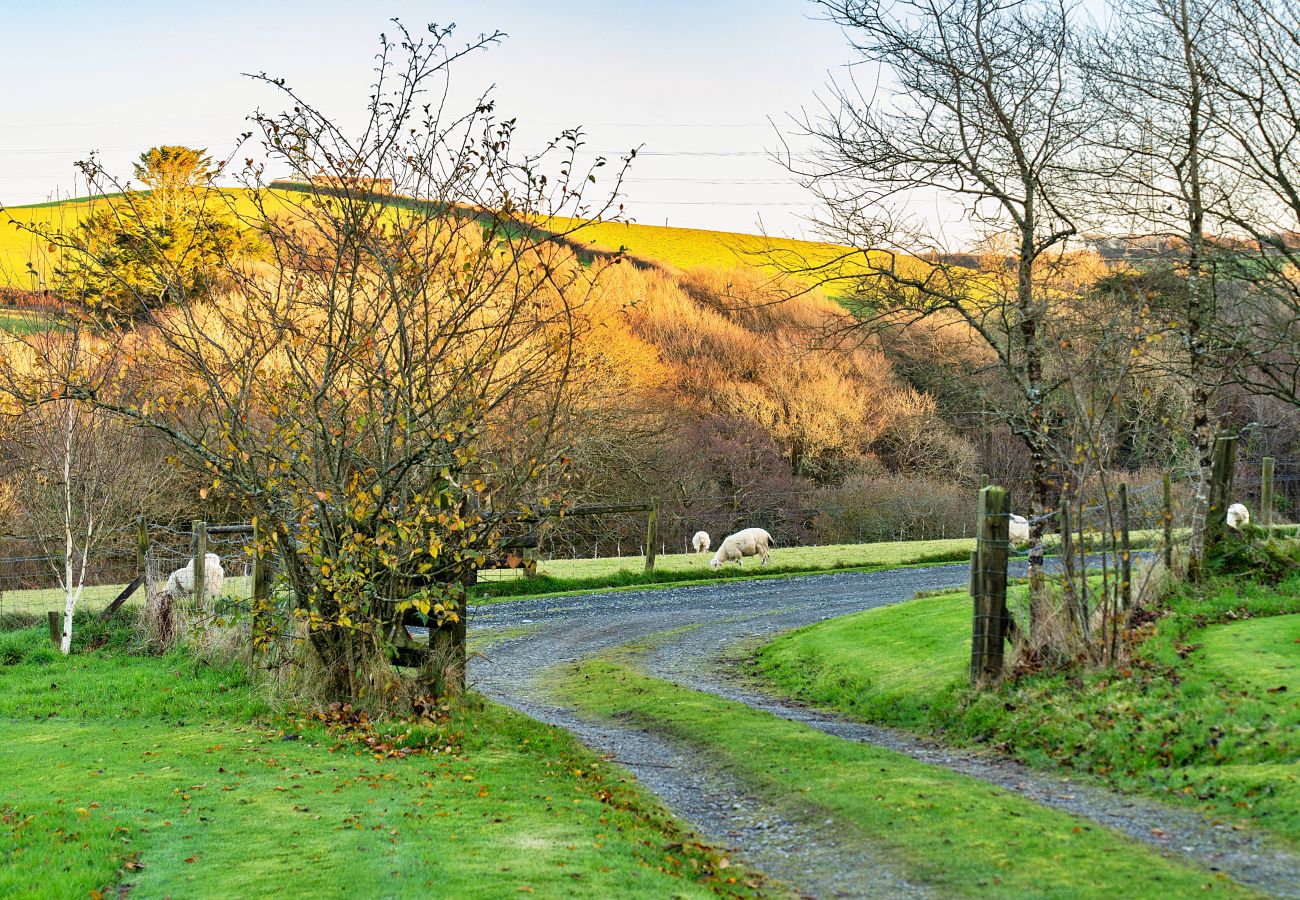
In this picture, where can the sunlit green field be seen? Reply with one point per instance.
(19, 247)
(681, 248)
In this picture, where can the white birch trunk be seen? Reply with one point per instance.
(73, 582)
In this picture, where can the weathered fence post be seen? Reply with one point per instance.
(199, 541)
(977, 610)
(1125, 557)
(1225, 457)
(141, 544)
(56, 627)
(989, 629)
(652, 534)
(1067, 556)
(1167, 515)
(1266, 496)
(261, 581)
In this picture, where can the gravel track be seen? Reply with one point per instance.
(770, 833)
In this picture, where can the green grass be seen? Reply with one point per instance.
(561, 575)
(1262, 655)
(21, 321)
(1198, 716)
(19, 247)
(35, 602)
(175, 778)
(960, 835)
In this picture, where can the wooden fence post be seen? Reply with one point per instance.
(991, 620)
(1067, 556)
(56, 627)
(261, 581)
(1125, 557)
(976, 562)
(1168, 522)
(1266, 496)
(200, 544)
(141, 544)
(1225, 458)
(652, 534)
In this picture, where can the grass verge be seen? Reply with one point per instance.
(1206, 713)
(167, 776)
(957, 834)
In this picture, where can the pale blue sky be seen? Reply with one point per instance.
(681, 78)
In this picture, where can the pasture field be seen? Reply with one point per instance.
(934, 823)
(18, 247)
(1207, 715)
(561, 575)
(171, 776)
(677, 248)
(686, 248)
(601, 573)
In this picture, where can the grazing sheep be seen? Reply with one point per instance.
(1238, 516)
(749, 542)
(1018, 529)
(182, 580)
(701, 541)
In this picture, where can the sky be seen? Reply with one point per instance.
(703, 87)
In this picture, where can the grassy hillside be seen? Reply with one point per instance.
(18, 246)
(679, 248)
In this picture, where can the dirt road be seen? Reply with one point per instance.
(810, 855)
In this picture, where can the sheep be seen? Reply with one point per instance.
(701, 542)
(1238, 516)
(748, 542)
(1018, 529)
(182, 580)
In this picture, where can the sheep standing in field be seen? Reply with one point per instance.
(1018, 529)
(748, 542)
(701, 542)
(182, 580)
(1238, 516)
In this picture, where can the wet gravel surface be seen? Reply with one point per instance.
(774, 835)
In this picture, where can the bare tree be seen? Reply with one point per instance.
(1153, 162)
(386, 382)
(974, 104)
(1258, 79)
(79, 476)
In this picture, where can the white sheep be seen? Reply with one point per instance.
(1018, 529)
(1238, 516)
(182, 580)
(748, 542)
(701, 542)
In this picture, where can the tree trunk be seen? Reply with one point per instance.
(1202, 428)
(70, 593)
(1036, 431)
